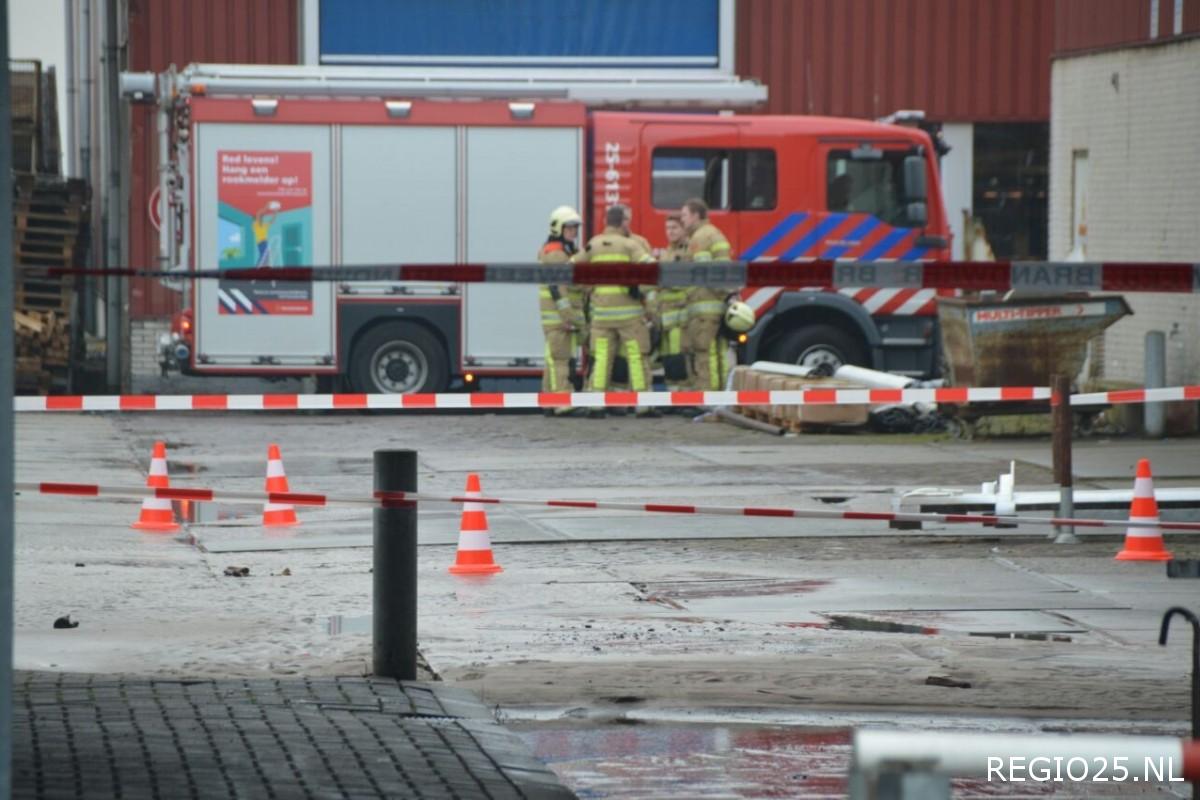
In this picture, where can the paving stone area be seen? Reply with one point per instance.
(94, 736)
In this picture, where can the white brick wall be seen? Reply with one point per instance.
(143, 346)
(1137, 113)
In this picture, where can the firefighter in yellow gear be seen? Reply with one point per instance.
(561, 306)
(617, 312)
(649, 297)
(672, 310)
(707, 350)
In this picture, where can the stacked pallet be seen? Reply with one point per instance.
(49, 230)
(34, 127)
(797, 418)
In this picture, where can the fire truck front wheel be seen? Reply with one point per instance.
(398, 358)
(815, 345)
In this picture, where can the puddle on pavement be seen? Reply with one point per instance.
(840, 622)
(844, 622)
(669, 761)
(1030, 636)
(691, 761)
(736, 587)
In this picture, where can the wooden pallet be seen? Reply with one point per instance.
(42, 286)
(35, 300)
(64, 225)
(49, 212)
(28, 254)
(798, 419)
(35, 232)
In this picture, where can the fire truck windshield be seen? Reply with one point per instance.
(868, 182)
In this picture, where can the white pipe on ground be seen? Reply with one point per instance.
(872, 378)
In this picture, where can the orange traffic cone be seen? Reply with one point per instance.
(1143, 543)
(157, 514)
(474, 541)
(277, 515)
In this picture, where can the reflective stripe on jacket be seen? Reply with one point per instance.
(613, 304)
(707, 243)
(568, 308)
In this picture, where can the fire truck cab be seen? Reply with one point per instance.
(792, 189)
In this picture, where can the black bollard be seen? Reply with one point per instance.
(394, 609)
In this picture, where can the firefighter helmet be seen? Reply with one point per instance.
(561, 217)
(739, 317)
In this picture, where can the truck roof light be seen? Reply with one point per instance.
(398, 109)
(264, 107)
(521, 110)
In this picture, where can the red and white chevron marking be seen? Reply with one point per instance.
(528, 400)
(900, 302)
(896, 302)
(398, 499)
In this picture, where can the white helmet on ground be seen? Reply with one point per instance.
(561, 217)
(739, 317)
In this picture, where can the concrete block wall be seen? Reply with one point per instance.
(1137, 112)
(143, 346)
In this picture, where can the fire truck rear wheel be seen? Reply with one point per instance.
(814, 345)
(399, 358)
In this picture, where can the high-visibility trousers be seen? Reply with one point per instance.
(677, 372)
(630, 339)
(707, 352)
(560, 349)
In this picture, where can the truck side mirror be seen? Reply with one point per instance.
(916, 214)
(914, 178)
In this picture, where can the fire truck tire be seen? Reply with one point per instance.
(813, 345)
(398, 358)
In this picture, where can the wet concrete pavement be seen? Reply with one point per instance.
(599, 615)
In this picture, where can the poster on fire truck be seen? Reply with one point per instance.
(265, 219)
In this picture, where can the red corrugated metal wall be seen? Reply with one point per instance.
(180, 32)
(1085, 24)
(972, 60)
(1092, 24)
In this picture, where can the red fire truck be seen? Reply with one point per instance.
(267, 176)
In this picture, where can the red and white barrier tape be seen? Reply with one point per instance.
(1136, 396)
(395, 499)
(497, 400)
(527, 400)
(1043, 276)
